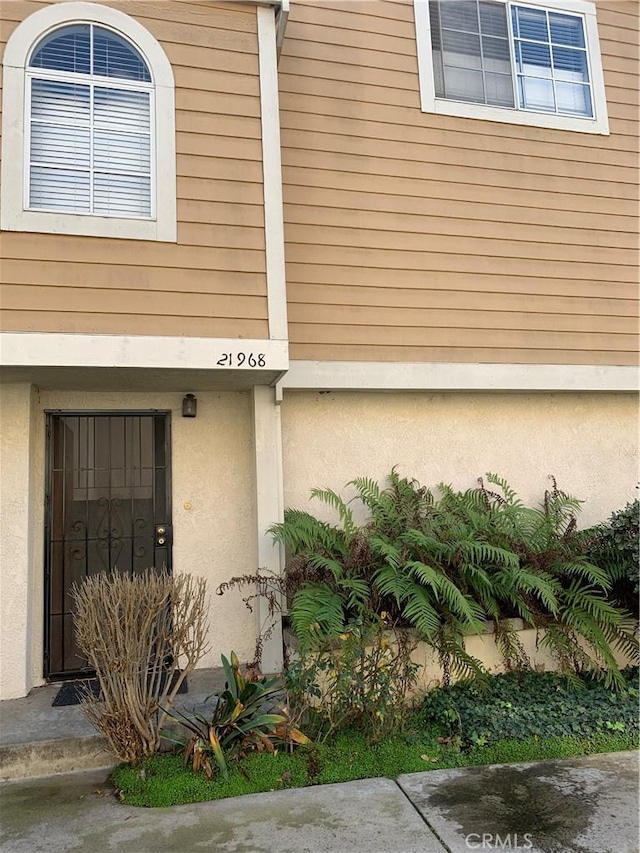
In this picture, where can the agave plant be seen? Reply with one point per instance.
(238, 723)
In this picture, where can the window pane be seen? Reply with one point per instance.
(60, 102)
(493, 20)
(574, 99)
(59, 189)
(121, 152)
(470, 40)
(570, 65)
(533, 59)
(496, 55)
(530, 24)
(64, 146)
(90, 145)
(460, 15)
(536, 94)
(436, 44)
(499, 89)
(473, 51)
(121, 110)
(464, 85)
(438, 75)
(66, 49)
(461, 50)
(124, 195)
(115, 57)
(566, 29)
(434, 22)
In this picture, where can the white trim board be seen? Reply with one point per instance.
(267, 435)
(53, 349)
(272, 175)
(282, 16)
(394, 376)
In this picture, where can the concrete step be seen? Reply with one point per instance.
(48, 757)
(37, 739)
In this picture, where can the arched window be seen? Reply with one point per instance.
(94, 128)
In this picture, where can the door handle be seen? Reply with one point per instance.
(164, 535)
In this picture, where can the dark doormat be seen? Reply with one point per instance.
(71, 692)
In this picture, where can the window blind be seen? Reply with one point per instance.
(477, 59)
(471, 52)
(90, 144)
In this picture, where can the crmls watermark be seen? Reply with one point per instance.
(494, 841)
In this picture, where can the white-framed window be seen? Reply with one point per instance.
(533, 63)
(88, 141)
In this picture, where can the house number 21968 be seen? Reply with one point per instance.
(238, 359)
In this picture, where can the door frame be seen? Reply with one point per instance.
(48, 481)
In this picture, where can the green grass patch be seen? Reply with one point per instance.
(539, 749)
(164, 781)
(520, 717)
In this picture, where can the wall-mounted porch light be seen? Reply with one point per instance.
(189, 406)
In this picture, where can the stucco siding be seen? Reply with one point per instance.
(214, 527)
(588, 442)
(19, 539)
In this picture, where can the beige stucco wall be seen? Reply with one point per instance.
(483, 647)
(17, 443)
(589, 442)
(213, 514)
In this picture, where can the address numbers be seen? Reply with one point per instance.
(240, 359)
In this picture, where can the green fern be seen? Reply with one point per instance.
(335, 501)
(510, 646)
(316, 611)
(443, 563)
(301, 532)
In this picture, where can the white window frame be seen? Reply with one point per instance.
(14, 216)
(599, 123)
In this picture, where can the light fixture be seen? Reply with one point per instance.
(189, 406)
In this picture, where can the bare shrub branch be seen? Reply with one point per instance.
(143, 635)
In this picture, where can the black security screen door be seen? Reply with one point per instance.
(107, 507)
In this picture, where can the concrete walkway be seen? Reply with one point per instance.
(585, 805)
(577, 805)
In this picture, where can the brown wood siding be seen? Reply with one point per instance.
(415, 237)
(212, 283)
